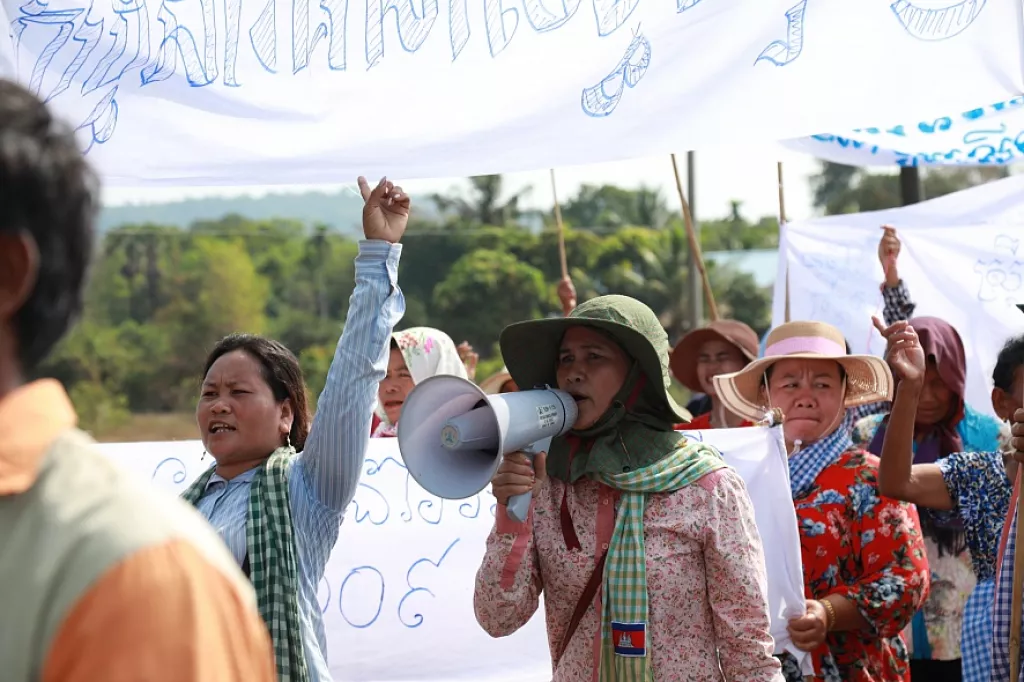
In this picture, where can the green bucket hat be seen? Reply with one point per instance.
(530, 349)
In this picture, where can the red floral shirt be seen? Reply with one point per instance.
(868, 549)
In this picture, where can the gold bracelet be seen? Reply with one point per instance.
(831, 614)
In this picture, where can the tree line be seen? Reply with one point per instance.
(160, 296)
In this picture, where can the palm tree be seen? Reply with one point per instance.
(651, 210)
(317, 249)
(485, 205)
(654, 270)
(142, 247)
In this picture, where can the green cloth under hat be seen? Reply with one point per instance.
(633, 448)
(623, 439)
(625, 570)
(526, 347)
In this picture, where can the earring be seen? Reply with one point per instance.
(288, 438)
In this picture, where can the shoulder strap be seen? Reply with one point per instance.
(586, 598)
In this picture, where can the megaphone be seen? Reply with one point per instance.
(453, 436)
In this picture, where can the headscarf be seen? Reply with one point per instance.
(427, 352)
(631, 435)
(942, 344)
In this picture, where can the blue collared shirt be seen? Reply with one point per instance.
(324, 476)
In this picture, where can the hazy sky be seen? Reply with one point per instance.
(747, 174)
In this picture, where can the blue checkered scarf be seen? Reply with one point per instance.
(812, 459)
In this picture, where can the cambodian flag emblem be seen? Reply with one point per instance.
(630, 639)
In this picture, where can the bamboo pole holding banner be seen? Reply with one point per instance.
(782, 221)
(694, 244)
(561, 229)
(694, 285)
(782, 194)
(1016, 595)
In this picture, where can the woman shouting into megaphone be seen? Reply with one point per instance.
(643, 542)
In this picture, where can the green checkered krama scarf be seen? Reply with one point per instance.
(270, 544)
(633, 448)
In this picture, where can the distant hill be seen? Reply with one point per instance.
(339, 210)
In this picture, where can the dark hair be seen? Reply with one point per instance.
(1010, 358)
(48, 192)
(281, 371)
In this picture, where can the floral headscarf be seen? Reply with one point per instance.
(427, 353)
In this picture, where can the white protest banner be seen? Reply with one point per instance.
(986, 135)
(962, 260)
(759, 456)
(237, 92)
(397, 593)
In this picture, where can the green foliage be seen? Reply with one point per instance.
(314, 362)
(613, 207)
(489, 367)
(734, 233)
(847, 189)
(485, 205)
(161, 295)
(485, 290)
(739, 297)
(99, 409)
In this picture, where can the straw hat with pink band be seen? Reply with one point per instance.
(868, 378)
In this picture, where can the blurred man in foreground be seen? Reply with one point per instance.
(103, 577)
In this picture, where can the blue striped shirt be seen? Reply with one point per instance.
(324, 476)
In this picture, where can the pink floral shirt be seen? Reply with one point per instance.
(705, 572)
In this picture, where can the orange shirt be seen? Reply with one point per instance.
(104, 577)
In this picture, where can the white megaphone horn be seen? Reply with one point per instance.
(453, 436)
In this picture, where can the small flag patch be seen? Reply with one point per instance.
(630, 639)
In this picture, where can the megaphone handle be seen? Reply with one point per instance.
(519, 505)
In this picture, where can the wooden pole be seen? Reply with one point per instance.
(782, 221)
(782, 194)
(1016, 595)
(694, 243)
(561, 229)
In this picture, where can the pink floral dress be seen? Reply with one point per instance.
(705, 572)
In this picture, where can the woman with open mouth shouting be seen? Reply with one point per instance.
(280, 485)
(416, 355)
(642, 541)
